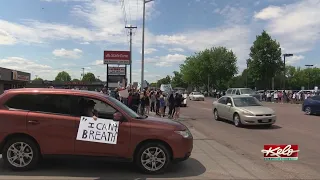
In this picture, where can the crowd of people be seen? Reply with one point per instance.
(280, 96)
(163, 104)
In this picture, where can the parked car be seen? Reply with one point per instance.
(243, 91)
(39, 122)
(243, 110)
(311, 105)
(196, 96)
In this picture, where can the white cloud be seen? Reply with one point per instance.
(297, 27)
(6, 38)
(168, 60)
(149, 50)
(270, 12)
(232, 37)
(73, 54)
(233, 14)
(109, 28)
(25, 65)
(176, 50)
(97, 62)
(294, 59)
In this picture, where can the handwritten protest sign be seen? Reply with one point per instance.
(99, 131)
(166, 88)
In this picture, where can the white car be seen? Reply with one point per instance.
(184, 102)
(196, 96)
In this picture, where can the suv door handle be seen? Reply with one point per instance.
(33, 122)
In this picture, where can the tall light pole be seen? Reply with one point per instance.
(142, 51)
(284, 69)
(130, 28)
(309, 66)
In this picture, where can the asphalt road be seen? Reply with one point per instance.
(221, 151)
(292, 127)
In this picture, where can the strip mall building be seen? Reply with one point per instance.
(10, 79)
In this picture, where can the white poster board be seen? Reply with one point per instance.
(166, 88)
(124, 93)
(99, 131)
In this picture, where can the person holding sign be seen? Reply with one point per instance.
(88, 109)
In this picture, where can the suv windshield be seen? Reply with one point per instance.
(245, 101)
(124, 107)
(247, 91)
(197, 93)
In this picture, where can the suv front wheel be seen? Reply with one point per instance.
(20, 154)
(153, 158)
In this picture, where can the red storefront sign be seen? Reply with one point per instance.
(116, 57)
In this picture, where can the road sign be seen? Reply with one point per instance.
(116, 57)
(117, 71)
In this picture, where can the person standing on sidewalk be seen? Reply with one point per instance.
(162, 104)
(147, 95)
(171, 105)
(166, 103)
(178, 100)
(153, 101)
(158, 103)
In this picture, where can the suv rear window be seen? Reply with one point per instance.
(50, 103)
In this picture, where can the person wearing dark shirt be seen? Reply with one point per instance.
(130, 100)
(147, 104)
(178, 100)
(158, 104)
(142, 103)
(171, 106)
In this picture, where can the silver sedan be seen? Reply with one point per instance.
(243, 110)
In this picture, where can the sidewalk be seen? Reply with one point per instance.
(182, 117)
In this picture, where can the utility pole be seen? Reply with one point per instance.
(142, 51)
(82, 73)
(130, 28)
(309, 66)
(284, 69)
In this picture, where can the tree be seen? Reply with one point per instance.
(38, 79)
(265, 59)
(63, 77)
(177, 80)
(214, 67)
(153, 84)
(166, 80)
(89, 77)
(75, 80)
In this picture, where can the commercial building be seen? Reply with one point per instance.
(10, 79)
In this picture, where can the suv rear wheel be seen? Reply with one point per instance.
(20, 154)
(153, 158)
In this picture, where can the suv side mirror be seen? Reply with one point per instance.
(117, 116)
(229, 104)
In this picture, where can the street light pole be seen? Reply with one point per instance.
(142, 51)
(309, 66)
(284, 69)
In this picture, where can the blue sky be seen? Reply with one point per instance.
(44, 37)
